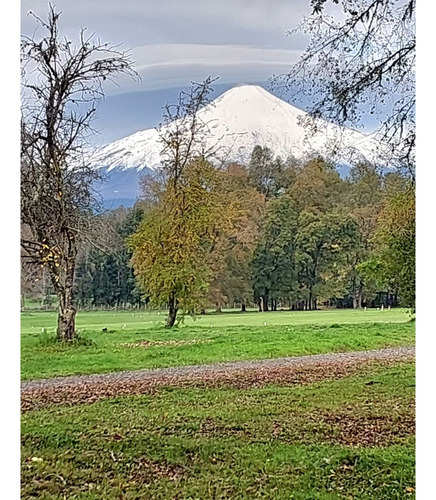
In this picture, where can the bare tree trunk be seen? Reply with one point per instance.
(66, 323)
(243, 306)
(265, 302)
(357, 296)
(172, 311)
(67, 311)
(360, 297)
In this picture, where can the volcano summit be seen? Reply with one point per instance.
(238, 120)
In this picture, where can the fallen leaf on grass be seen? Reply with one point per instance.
(170, 343)
(252, 377)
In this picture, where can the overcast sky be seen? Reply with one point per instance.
(174, 42)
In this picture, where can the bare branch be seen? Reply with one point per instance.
(62, 86)
(362, 65)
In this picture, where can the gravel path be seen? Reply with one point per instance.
(217, 368)
(87, 389)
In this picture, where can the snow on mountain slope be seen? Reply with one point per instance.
(238, 120)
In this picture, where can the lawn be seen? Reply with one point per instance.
(336, 439)
(139, 340)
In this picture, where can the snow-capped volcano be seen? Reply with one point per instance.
(238, 120)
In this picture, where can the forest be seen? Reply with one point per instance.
(274, 234)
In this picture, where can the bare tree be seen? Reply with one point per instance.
(358, 63)
(183, 133)
(61, 89)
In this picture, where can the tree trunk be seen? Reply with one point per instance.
(243, 306)
(67, 314)
(172, 311)
(357, 296)
(66, 330)
(265, 302)
(310, 300)
(66, 323)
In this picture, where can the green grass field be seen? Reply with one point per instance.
(350, 438)
(139, 340)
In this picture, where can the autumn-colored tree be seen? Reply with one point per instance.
(317, 186)
(172, 245)
(231, 258)
(396, 235)
(369, 191)
(178, 233)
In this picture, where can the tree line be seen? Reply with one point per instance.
(272, 234)
(285, 234)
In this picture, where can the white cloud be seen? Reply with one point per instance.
(167, 54)
(237, 40)
(253, 14)
(257, 14)
(170, 65)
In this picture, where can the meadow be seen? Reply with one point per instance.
(122, 340)
(336, 439)
(333, 434)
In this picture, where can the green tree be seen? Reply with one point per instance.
(104, 275)
(173, 242)
(396, 235)
(274, 260)
(363, 201)
(269, 175)
(322, 243)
